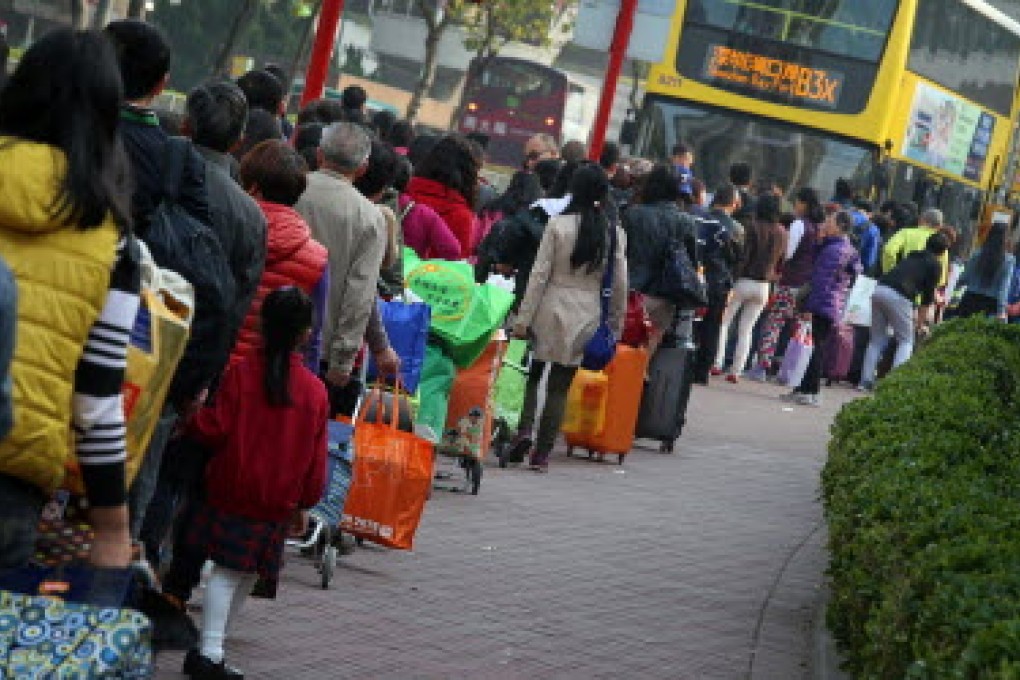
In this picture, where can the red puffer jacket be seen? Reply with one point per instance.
(451, 206)
(293, 258)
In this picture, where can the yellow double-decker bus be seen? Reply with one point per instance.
(908, 99)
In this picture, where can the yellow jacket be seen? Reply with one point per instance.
(906, 241)
(63, 276)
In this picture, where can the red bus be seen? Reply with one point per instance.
(510, 100)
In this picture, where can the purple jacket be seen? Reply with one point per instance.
(427, 233)
(837, 264)
(797, 270)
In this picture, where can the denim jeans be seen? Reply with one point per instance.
(22, 506)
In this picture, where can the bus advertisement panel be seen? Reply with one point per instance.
(948, 133)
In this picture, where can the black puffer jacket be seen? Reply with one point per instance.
(649, 229)
(240, 226)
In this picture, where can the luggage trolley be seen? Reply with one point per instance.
(324, 518)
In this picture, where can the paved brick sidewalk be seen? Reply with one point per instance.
(700, 565)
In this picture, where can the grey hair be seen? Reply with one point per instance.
(345, 146)
(932, 217)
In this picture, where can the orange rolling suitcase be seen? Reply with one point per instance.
(626, 383)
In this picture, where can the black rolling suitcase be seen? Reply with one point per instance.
(668, 388)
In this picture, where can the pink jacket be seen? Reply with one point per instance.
(427, 233)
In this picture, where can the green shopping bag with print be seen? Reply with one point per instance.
(464, 313)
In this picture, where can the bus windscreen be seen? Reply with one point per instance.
(791, 156)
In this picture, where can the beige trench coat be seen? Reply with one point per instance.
(561, 307)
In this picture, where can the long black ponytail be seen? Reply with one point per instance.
(589, 190)
(286, 316)
(993, 253)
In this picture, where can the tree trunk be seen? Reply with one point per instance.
(77, 14)
(486, 51)
(136, 9)
(242, 20)
(102, 15)
(429, 68)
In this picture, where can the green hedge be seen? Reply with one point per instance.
(922, 499)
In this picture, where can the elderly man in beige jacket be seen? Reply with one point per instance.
(354, 231)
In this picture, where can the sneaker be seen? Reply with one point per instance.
(716, 372)
(790, 396)
(866, 387)
(757, 374)
(808, 400)
(539, 462)
(732, 378)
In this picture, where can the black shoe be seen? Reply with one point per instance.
(199, 667)
(519, 448)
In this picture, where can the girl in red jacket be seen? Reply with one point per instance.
(267, 431)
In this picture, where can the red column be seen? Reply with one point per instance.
(617, 53)
(322, 50)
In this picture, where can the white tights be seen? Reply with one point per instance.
(225, 594)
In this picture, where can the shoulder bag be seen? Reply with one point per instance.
(601, 349)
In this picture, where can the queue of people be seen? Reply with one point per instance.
(300, 231)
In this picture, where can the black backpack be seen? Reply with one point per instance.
(184, 244)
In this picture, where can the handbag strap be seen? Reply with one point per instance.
(607, 275)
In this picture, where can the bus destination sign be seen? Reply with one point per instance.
(775, 76)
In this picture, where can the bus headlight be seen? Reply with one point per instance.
(470, 122)
(472, 106)
(550, 121)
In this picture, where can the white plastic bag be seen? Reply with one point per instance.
(858, 303)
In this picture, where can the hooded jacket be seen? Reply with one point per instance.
(293, 258)
(63, 276)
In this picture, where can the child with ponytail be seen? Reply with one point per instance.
(267, 431)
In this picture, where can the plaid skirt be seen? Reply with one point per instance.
(239, 543)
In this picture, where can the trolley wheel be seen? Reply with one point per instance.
(591, 454)
(359, 541)
(570, 451)
(475, 476)
(328, 565)
(667, 447)
(621, 457)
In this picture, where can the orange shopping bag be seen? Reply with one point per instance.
(391, 480)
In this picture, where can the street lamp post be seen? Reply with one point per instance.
(322, 50)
